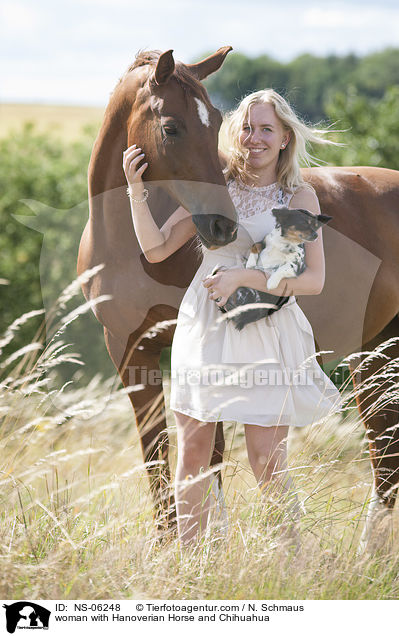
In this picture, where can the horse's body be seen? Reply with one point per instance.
(360, 300)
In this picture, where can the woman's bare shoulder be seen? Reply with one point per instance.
(306, 198)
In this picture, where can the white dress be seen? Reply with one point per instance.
(267, 374)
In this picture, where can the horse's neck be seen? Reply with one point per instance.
(106, 170)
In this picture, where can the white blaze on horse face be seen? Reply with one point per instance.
(202, 111)
(156, 103)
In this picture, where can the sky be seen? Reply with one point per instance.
(74, 51)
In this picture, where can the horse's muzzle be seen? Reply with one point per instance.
(215, 230)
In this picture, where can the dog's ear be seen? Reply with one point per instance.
(280, 213)
(323, 218)
(295, 213)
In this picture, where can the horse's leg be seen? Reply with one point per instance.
(217, 455)
(219, 513)
(141, 366)
(382, 425)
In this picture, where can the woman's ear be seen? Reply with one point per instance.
(287, 137)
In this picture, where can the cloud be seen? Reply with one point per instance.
(350, 18)
(62, 42)
(18, 18)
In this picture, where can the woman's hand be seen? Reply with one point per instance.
(131, 159)
(222, 284)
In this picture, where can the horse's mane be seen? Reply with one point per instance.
(181, 73)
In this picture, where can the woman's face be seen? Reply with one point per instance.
(262, 135)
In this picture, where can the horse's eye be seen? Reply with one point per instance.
(170, 130)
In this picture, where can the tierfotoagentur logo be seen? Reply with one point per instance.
(244, 377)
(26, 615)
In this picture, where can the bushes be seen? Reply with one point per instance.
(43, 175)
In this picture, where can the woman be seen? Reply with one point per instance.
(265, 376)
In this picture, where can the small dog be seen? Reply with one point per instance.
(282, 255)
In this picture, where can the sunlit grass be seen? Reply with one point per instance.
(65, 121)
(77, 517)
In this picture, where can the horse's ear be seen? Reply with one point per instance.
(210, 64)
(165, 67)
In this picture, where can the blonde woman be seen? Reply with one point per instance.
(264, 377)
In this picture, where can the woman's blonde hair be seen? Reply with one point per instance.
(291, 158)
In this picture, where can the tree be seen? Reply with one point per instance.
(371, 129)
(309, 82)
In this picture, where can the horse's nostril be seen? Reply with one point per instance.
(222, 229)
(217, 229)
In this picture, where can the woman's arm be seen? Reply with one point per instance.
(157, 244)
(314, 274)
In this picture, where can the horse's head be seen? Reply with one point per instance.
(174, 122)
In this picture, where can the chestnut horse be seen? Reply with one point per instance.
(163, 108)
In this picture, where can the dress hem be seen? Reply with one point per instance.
(230, 419)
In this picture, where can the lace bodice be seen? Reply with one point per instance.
(250, 200)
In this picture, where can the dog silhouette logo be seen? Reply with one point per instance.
(26, 615)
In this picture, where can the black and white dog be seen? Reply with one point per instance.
(282, 255)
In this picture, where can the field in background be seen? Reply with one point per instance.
(67, 121)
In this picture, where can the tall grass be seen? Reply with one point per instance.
(77, 516)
